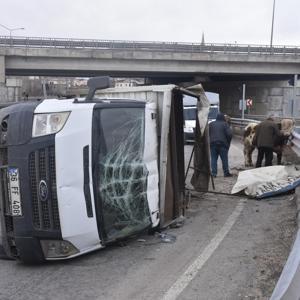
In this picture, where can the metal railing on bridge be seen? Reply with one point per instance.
(63, 43)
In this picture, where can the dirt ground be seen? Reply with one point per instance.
(268, 255)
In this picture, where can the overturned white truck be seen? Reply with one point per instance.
(77, 174)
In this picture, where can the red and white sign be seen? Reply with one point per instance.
(249, 102)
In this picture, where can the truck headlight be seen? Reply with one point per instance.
(58, 248)
(44, 124)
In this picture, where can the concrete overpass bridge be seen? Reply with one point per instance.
(70, 57)
(217, 66)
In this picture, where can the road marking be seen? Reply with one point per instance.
(183, 281)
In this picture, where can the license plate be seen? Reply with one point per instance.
(14, 192)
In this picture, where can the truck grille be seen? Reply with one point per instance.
(3, 156)
(44, 208)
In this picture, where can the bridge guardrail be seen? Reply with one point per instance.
(238, 125)
(243, 122)
(41, 42)
(263, 117)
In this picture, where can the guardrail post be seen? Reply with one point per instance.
(243, 101)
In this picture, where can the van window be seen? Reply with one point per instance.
(213, 111)
(190, 113)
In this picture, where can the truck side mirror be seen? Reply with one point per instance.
(97, 83)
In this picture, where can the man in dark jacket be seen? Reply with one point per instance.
(266, 135)
(220, 135)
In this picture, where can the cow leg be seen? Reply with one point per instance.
(278, 150)
(279, 157)
(248, 156)
(245, 158)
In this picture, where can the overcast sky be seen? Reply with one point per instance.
(222, 21)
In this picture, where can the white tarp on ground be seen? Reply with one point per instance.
(267, 181)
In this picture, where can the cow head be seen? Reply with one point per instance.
(249, 131)
(287, 126)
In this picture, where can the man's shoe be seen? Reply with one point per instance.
(228, 175)
(214, 175)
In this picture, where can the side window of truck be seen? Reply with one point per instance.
(122, 174)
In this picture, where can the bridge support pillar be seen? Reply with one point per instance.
(2, 70)
(10, 88)
(268, 97)
(3, 89)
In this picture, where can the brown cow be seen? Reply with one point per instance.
(249, 133)
(286, 126)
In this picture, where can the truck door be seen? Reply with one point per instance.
(125, 173)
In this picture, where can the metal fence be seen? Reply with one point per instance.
(242, 123)
(39, 42)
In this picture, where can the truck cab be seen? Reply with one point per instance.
(76, 174)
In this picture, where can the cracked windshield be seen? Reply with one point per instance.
(122, 183)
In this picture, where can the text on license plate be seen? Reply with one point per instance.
(14, 191)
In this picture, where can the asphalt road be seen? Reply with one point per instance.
(229, 248)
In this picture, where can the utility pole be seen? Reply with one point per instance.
(10, 31)
(294, 95)
(271, 43)
(243, 101)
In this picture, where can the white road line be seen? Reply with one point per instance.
(183, 281)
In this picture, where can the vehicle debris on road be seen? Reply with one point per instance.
(167, 237)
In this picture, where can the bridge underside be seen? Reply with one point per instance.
(159, 65)
(211, 78)
(151, 77)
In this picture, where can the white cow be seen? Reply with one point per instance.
(249, 133)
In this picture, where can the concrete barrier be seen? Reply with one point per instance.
(288, 285)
